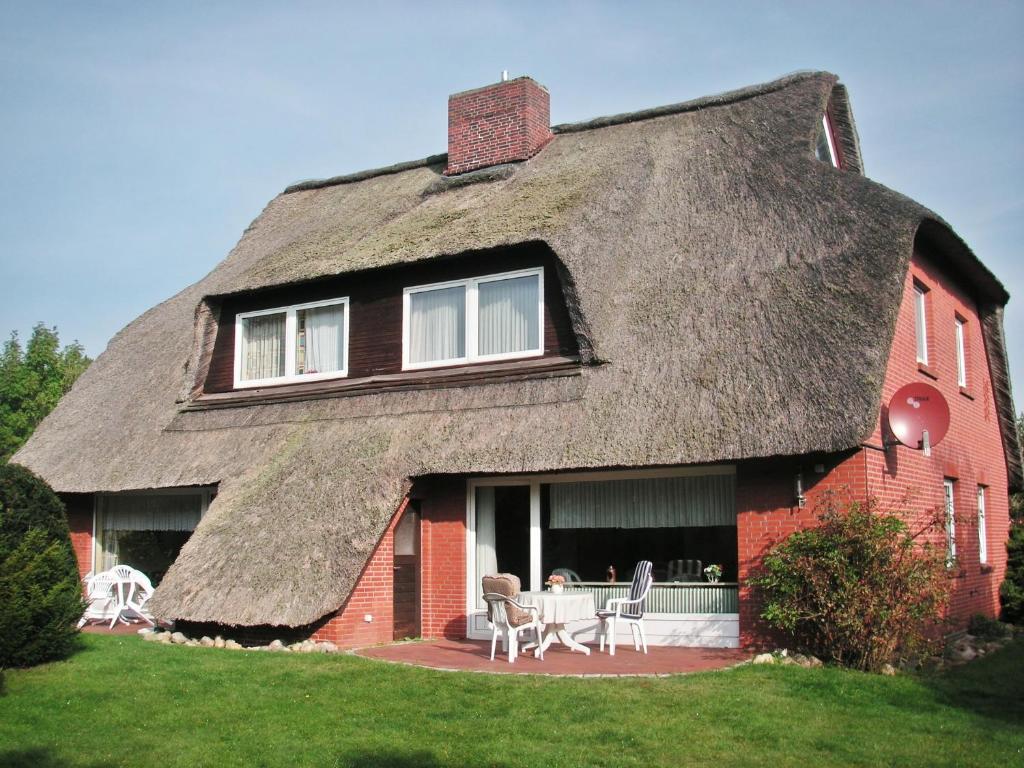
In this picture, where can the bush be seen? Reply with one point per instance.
(861, 589)
(1011, 592)
(984, 628)
(39, 588)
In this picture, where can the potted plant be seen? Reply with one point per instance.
(555, 583)
(713, 573)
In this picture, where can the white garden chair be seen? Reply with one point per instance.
(105, 595)
(511, 618)
(139, 590)
(628, 609)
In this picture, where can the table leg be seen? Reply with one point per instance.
(558, 632)
(568, 641)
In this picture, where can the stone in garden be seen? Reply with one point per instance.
(764, 658)
(206, 642)
(218, 642)
(231, 644)
(963, 651)
(328, 647)
(995, 645)
(178, 638)
(165, 637)
(151, 637)
(799, 659)
(888, 669)
(813, 662)
(276, 645)
(192, 643)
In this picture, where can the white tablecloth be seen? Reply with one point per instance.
(560, 608)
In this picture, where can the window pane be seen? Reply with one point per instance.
(950, 522)
(502, 534)
(263, 347)
(320, 347)
(961, 361)
(509, 320)
(982, 532)
(437, 325)
(921, 327)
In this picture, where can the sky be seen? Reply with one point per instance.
(140, 139)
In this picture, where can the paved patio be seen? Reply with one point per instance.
(474, 656)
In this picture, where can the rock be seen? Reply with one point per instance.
(788, 661)
(328, 647)
(995, 645)
(178, 638)
(192, 643)
(962, 651)
(814, 662)
(232, 645)
(799, 659)
(206, 642)
(218, 642)
(888, 670)
(165, 637)
(152, 637)
(277, 645)
(764, 658)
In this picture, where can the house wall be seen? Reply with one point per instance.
(79, 508)
(971, 453)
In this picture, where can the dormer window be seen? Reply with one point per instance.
(825, 145)
(303, 342)
(495, 317)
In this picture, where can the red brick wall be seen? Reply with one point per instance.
(443, 558)
(79, 509)
(372, 595)
(499, 123)
(971, 453)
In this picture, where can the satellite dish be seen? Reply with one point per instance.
(919, 416)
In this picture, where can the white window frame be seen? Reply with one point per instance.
(291, 325)
(921, 323)
(961, 353)
(982, 528)
(472, 285)
(830, 137)
(949, 488)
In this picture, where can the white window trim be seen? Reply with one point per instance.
(982, 528)
(949, 489)
(471, 314)
(830, 137)
(961, 353)
(536, 577)
(290, 330)
(921, 323)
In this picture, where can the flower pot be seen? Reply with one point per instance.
(713, 579)
(556, 588)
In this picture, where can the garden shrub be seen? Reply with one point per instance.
(861, 589)
(40, 594)
(985, 628)
(1011, 592)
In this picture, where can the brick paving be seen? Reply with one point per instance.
(474, 656)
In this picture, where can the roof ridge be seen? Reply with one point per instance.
(713, 100)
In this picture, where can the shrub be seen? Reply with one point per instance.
(860, 589)
(39, 588)
(1011, 591)
(984, 628)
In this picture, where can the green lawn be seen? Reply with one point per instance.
(121, 701)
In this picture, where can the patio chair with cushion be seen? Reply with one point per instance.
(507, 616)
(628, 609)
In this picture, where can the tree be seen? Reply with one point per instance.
(32, 381)
(39, 588)
(1011, 591)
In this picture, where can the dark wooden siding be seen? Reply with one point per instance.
(375, 310)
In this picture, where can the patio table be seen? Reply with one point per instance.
(557, 610)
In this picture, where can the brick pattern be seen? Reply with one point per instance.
(500, 123)
(443, 558)
(79, 508)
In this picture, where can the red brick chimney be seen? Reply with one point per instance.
(499, 123)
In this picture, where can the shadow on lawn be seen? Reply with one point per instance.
(992, 687)
(37, 758)
(391, 759)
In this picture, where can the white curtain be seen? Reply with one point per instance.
(325, 339)
(437, 325)
(131, 512)
(263, 346)
(486, 545)
(669, 502)
(508, 317)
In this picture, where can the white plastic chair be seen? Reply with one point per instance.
(139, 592)
(105, 595)
(525, 617)
(628, 609)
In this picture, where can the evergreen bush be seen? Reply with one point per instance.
(40, 593)
(1011, 592)
(861, 589)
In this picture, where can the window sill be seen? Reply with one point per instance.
(927, 371)
(986, 567)
(966, 393)
(463, 376)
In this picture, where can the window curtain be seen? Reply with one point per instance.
(437, 324)
(263, 347)
(669, 502)
(508, 318)
(486, 544)
(179, 512)
(325, 339)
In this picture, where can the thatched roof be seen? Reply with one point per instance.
(722, 275)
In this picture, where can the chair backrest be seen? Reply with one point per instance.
(685, 570)
(506, 585)
(570, 575)
(641, 583)
(101, 585)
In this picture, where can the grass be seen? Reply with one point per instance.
(120, 701)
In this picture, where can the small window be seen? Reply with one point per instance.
(305, 342)
(921, 323)
(982, 532)
(961, 354)
(825, 144)
(950, 523)
(497, 317)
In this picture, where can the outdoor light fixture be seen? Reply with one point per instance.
(798, 488)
